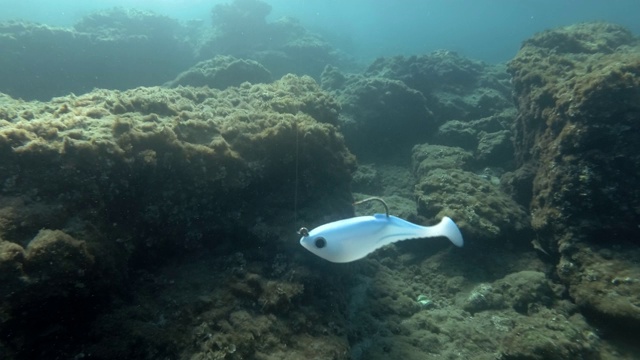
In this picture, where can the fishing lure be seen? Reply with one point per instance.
(351, 239)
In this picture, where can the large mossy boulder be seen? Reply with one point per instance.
(447, 185)
(222, 72)
(443, 98)
(147, 144)
(578, 133)
(99, 185)
(454, 86)
(382, 118)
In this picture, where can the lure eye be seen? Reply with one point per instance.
(320, 242)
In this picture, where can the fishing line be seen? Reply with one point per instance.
(295, 187)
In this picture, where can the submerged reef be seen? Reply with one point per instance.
(447, 186)
(222, 72)
(283, 46)
(549, 266)
(455, 87)
(399, 102)
(159, 222)
(99, 185)
(116, 49)
(578, 134)
(382, 116)
(123, 48)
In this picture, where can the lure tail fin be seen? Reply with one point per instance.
(448, 229)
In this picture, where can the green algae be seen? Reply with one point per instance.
(119, 181)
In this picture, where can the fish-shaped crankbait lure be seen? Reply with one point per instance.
(354, 238)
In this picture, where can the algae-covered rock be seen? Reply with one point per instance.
(475, 201)
(524, 292)
(495, 149)
(458, 133)
(426, 157)
(11, 267)
(222, 72)
(246, 139)
(516, 316)
(400, 101)
(23, 215)
(382, 118)
(454, 87)
(483, 297)
(54, 257)
(367, 180)
(115, 49)
(578, 133)
(585, 38)
(478, 206)
(604, 283)
(284, 46)
(51, 288)
(519, 184)
(550, 336)
(577, 125)
(489, 138)
(122, 23)
(299, 51)
(132, 179)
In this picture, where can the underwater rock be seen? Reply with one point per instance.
(519, 184)
(49, 289)
(300, 51)
(604, 283)
(23, 215)
(513, 317)
(495, 149)
(458, 133)
(578, 95)
(426, 157)
(244, 139)
(147, 175)
(11, 267)
(454, 87)
(483, 297)
(524, 292)
(58, 260)
(332, 79)
(489, 138)
(479, 207)
(121, 23)
(382, 118)
(549, 335)
(469, 101)
(241, 15)
(283, 46)
(539, 328)
(115, 49)
(222, 72)
(366, 179)
(476, 202)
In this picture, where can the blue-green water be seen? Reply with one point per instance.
(485, 30)
(158, 157)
